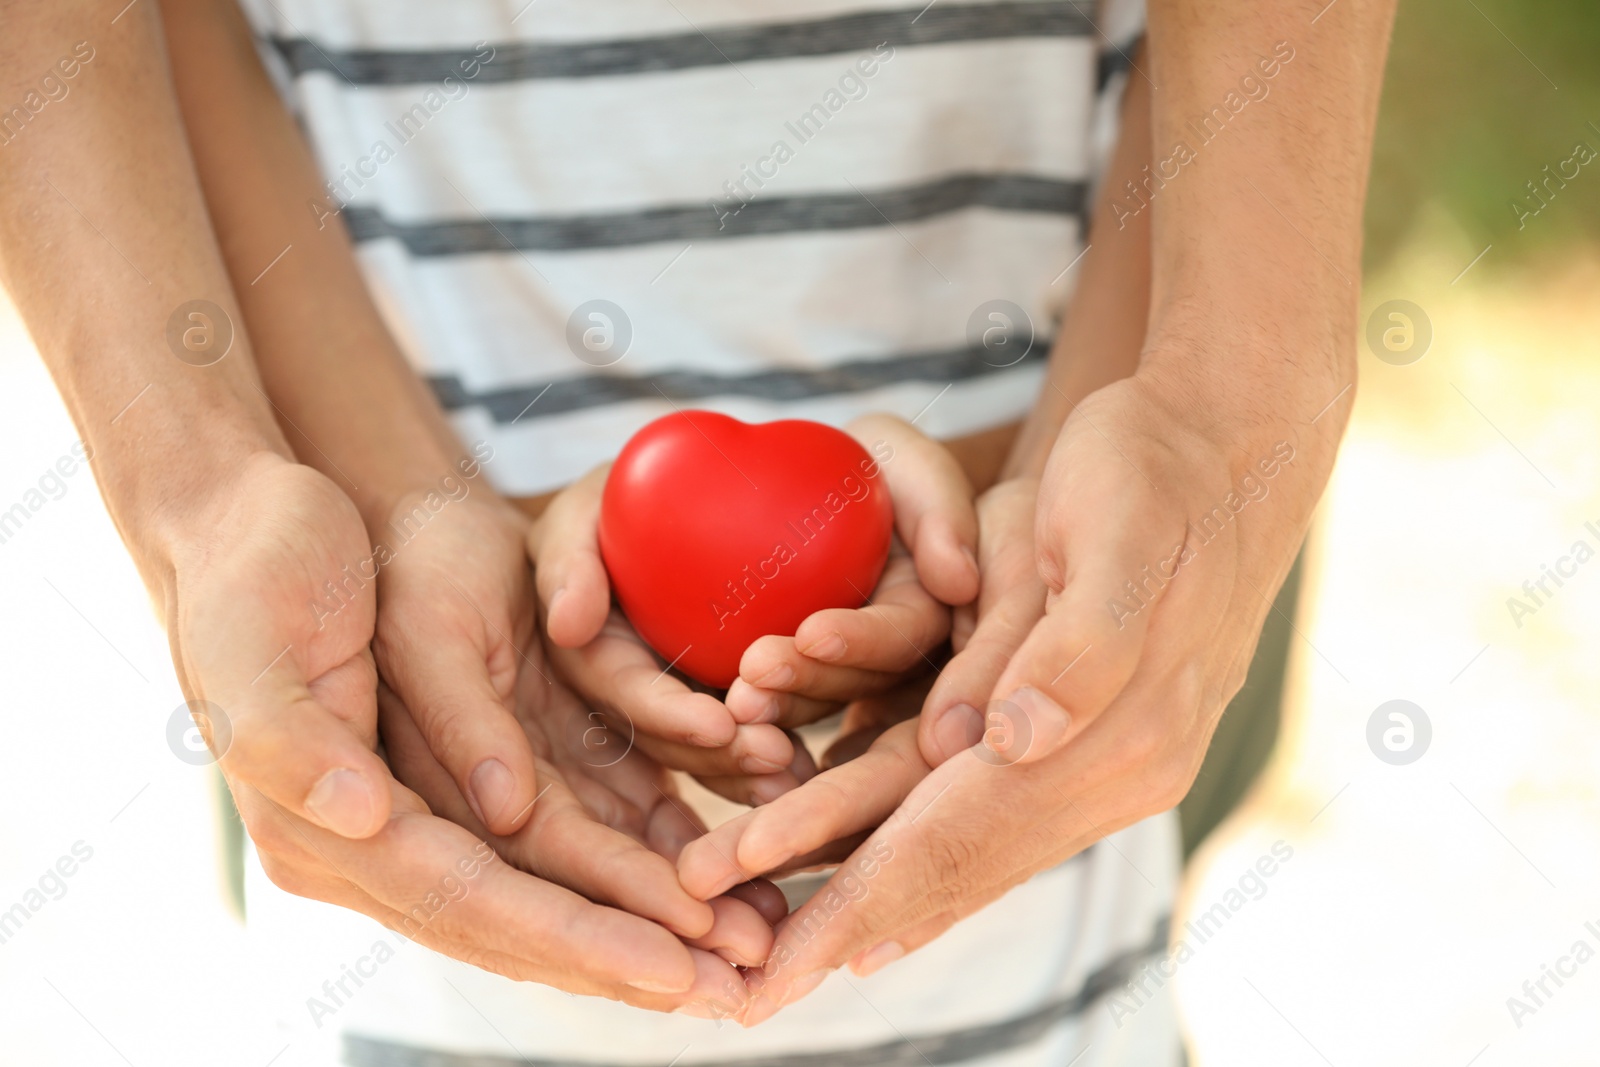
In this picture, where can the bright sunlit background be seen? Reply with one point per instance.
(1418, 898)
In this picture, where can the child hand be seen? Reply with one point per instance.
(597, 652)
(841, 654)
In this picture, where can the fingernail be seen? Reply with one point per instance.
(804, 986)
(777, 677)
(748, 705)
(957, 729)
(342, 802)
(738, 959)
(828, 649)
(972, 561)
(492, 785)
(761, 1009)
(696, 1009)
(878, 957)
(771, 712)
(763, 749)
(1046, 727)
(655, 985)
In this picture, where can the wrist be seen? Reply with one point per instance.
(175, 525)
(404, 504)
(425, 479)
(1244, 365)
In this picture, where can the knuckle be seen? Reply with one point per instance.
(833, 803)
(447, 729)
(1143, 740)
(1176, 749)
(254, 748)
(1047, 561)
(948, 855)
(1087, 687)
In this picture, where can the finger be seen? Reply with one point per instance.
(914, 937)
(1012, 602)
(850, 798)
(755, 750)
(564, 545)
(561, 841)
(280, 739)
(670, 827)
(865, 721)
(616, 673)
(775, 667)
(441, 674)
(751, 705)
(895, 632)
(597, 741)
(758, 789)
(739, 933)
(563, 844)
(868, 720)
(932, 504)
(766, 898)
(451, 891)
(918, 864)
(752, 790)
(963, 620)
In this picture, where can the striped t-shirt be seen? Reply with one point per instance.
(577, 216)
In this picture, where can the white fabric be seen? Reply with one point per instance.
(807, 299)
(1039, 942)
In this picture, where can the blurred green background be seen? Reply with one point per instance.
(1480, 96)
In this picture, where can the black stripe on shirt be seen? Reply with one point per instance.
(1114, 59)
(778, 386)
(951, 1046)
(858, 32)
(709, 221)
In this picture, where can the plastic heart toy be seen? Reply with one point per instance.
(716, 532)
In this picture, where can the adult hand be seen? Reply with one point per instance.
(472, 696)
(1106, 708)
(292, 713)
(867, 772)
(828, 818)
(608, 822)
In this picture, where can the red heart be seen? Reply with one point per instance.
(716, 532)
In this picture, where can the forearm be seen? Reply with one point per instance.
(1262, 133)
(103, 235)
(1103, 325)
(356, 409)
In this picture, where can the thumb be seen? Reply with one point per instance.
(279, 735)
(933, 504)
(442, 677)
(1110, 551)
(564, 545)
